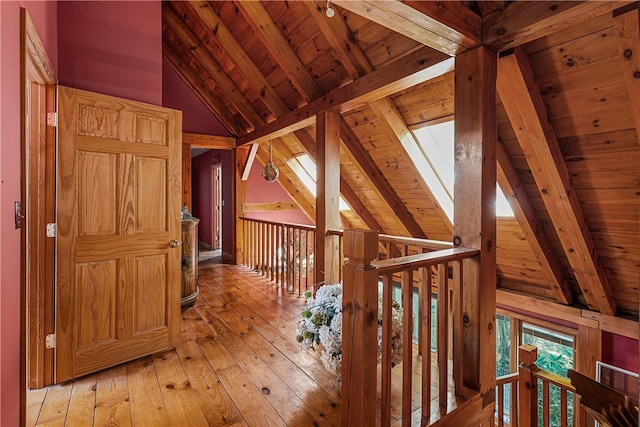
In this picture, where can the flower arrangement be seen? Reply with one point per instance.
(321, 324)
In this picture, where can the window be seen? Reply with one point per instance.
(436, 166)
(555, 355)
(305, 169)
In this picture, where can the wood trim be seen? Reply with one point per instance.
(588, 344)
(268, 206)
(448, 27)
(527, 113)
(522, 22)
(533, 230)
(627, 25)
(214, 142)
(38, 79)
(186, 177)
(616, 325)
(408, 71)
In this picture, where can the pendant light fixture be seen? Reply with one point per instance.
(270, 171)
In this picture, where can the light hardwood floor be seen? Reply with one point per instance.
(237, 364)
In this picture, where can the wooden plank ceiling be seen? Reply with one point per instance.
(568, 118)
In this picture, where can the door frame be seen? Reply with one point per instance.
(216, 206)
(38, 184)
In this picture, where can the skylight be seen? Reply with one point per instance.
(305, 169)
(436, 145)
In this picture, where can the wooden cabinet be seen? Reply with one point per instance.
(189, 260)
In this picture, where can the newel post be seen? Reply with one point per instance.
(359, 329)
(527, 386)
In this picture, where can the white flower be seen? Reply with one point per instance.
(322, 323)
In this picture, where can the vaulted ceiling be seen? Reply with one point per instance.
(568, 118)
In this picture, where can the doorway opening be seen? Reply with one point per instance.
(216, 206)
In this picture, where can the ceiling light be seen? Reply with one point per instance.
(330, 12)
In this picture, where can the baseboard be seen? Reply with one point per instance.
(226, 258)
(204, 246)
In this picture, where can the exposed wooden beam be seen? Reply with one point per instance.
(245, 65)
(626, 22)
(448, 27)
(327, 198)
(279, 48)
(533, 230)
(474, 214)
(288, 179)
(380, 182)
(526, 111)
(340, 39)
(198, 50)
(347, 192)
(199, 140)
(592, 319)
(202, 90)
(269, 206)
(397, 129)
(410, 70)
(249, 163)
(522, 22)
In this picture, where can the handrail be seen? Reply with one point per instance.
(283, 252)
(360, 288)
(413, 262)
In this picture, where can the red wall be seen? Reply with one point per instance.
(259, 190)
(44, 17)
(196, 118)
(620, 351)
(112, 47)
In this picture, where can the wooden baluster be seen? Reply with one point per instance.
(263, 254)
(458, 346)
(272, 251)
(514, 404)
(527, 386)
(545, 403)
(500, 388)
(359, 329)
(407, 345)
(425, 339)
(283, 255)
(443, 334)
(385, 393)
(564, 419)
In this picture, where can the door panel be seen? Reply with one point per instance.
(118, 279)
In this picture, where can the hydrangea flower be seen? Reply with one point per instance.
(322, 324)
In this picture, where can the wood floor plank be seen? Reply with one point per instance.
(288, 404)
(82, 405)
(112, 397)
(147, 405)
(179, 399)
(55, 405)
(35, 399)
(215, 402)
(250, 401)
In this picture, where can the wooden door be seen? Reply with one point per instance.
(118, 271)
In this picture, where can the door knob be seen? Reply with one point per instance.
(174, 243)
